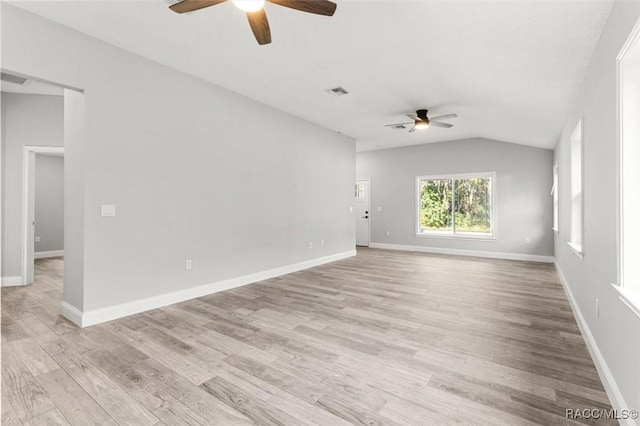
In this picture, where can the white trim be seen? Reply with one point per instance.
(71, 313)
(606, 377)
(631, 302)
(98, 316)
(576, 249)
(12, 281)
(459, 236)
(461, 252)
(27, 150)
(46, 254)
(452, 177)
(629, 297)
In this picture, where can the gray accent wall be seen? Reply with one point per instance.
(523, 185)
(26, 120)
(49, 203)
(195, 171)
(616, 331)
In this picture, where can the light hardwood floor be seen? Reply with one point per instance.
(381, 338)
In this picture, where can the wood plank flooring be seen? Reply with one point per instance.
(381, 338)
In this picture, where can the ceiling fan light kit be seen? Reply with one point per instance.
(256, 14)
(249, 5)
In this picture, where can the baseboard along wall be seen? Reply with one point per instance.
(98, 316)
(11, 281)
(606, 377)
(47, 254)
(461, 252)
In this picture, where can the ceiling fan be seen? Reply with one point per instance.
(256, 14)
(422, 121)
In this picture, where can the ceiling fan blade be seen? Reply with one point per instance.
(398, 124)
(414, 117)
(444, 117)
(319, 7)
(190, 5)
(413, 129)
(260, 26)
(438, 124)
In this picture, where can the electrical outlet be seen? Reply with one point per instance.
(350, 209)
(188, 265)
(310, 244)
(527, 240)
(379, 208)
(388, 233)
(37, 239)
(597, 307)
(322, 243)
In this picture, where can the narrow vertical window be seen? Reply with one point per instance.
(629, 160)
(556, 197)
(575, 235)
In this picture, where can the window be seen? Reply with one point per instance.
(575, 235)
(629, 208)
(456, 205)
(360, 190)
(554, 194)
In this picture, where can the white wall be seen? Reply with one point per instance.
(49, 203)
(190, 175)
(616, 332)
(26, 120)
(523, 185)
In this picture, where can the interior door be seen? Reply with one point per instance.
(363, 208)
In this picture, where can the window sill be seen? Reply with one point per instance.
(577, 250)
(455, 236)
(629, 297)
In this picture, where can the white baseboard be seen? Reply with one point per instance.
(46, 254)
(11, 281)
(98, 316)
(461, 252)
(71, 313)
(610, 385)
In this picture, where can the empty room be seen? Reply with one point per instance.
(313, 212)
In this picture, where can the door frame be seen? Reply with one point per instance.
(368, 180)
(28, 205)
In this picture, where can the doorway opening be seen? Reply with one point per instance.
(43, 124)
(363, 212)
(43, 210)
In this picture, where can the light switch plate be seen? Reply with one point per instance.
(37, 239)
(108, 209)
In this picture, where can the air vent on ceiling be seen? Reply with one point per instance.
(337, 91)
(12, 78)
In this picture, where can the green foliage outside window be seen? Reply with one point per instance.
(472, 205)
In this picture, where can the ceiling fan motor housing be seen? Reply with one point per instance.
(422, 113)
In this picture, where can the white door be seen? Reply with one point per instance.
(363, 209)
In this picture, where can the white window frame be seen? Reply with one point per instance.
(576, 230)
(452, 234)
(555, 193)
(628, 288)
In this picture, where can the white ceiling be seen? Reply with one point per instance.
(510, 69)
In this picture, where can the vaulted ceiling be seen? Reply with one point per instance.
(509, 69)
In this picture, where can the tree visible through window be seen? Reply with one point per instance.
(455, 205)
